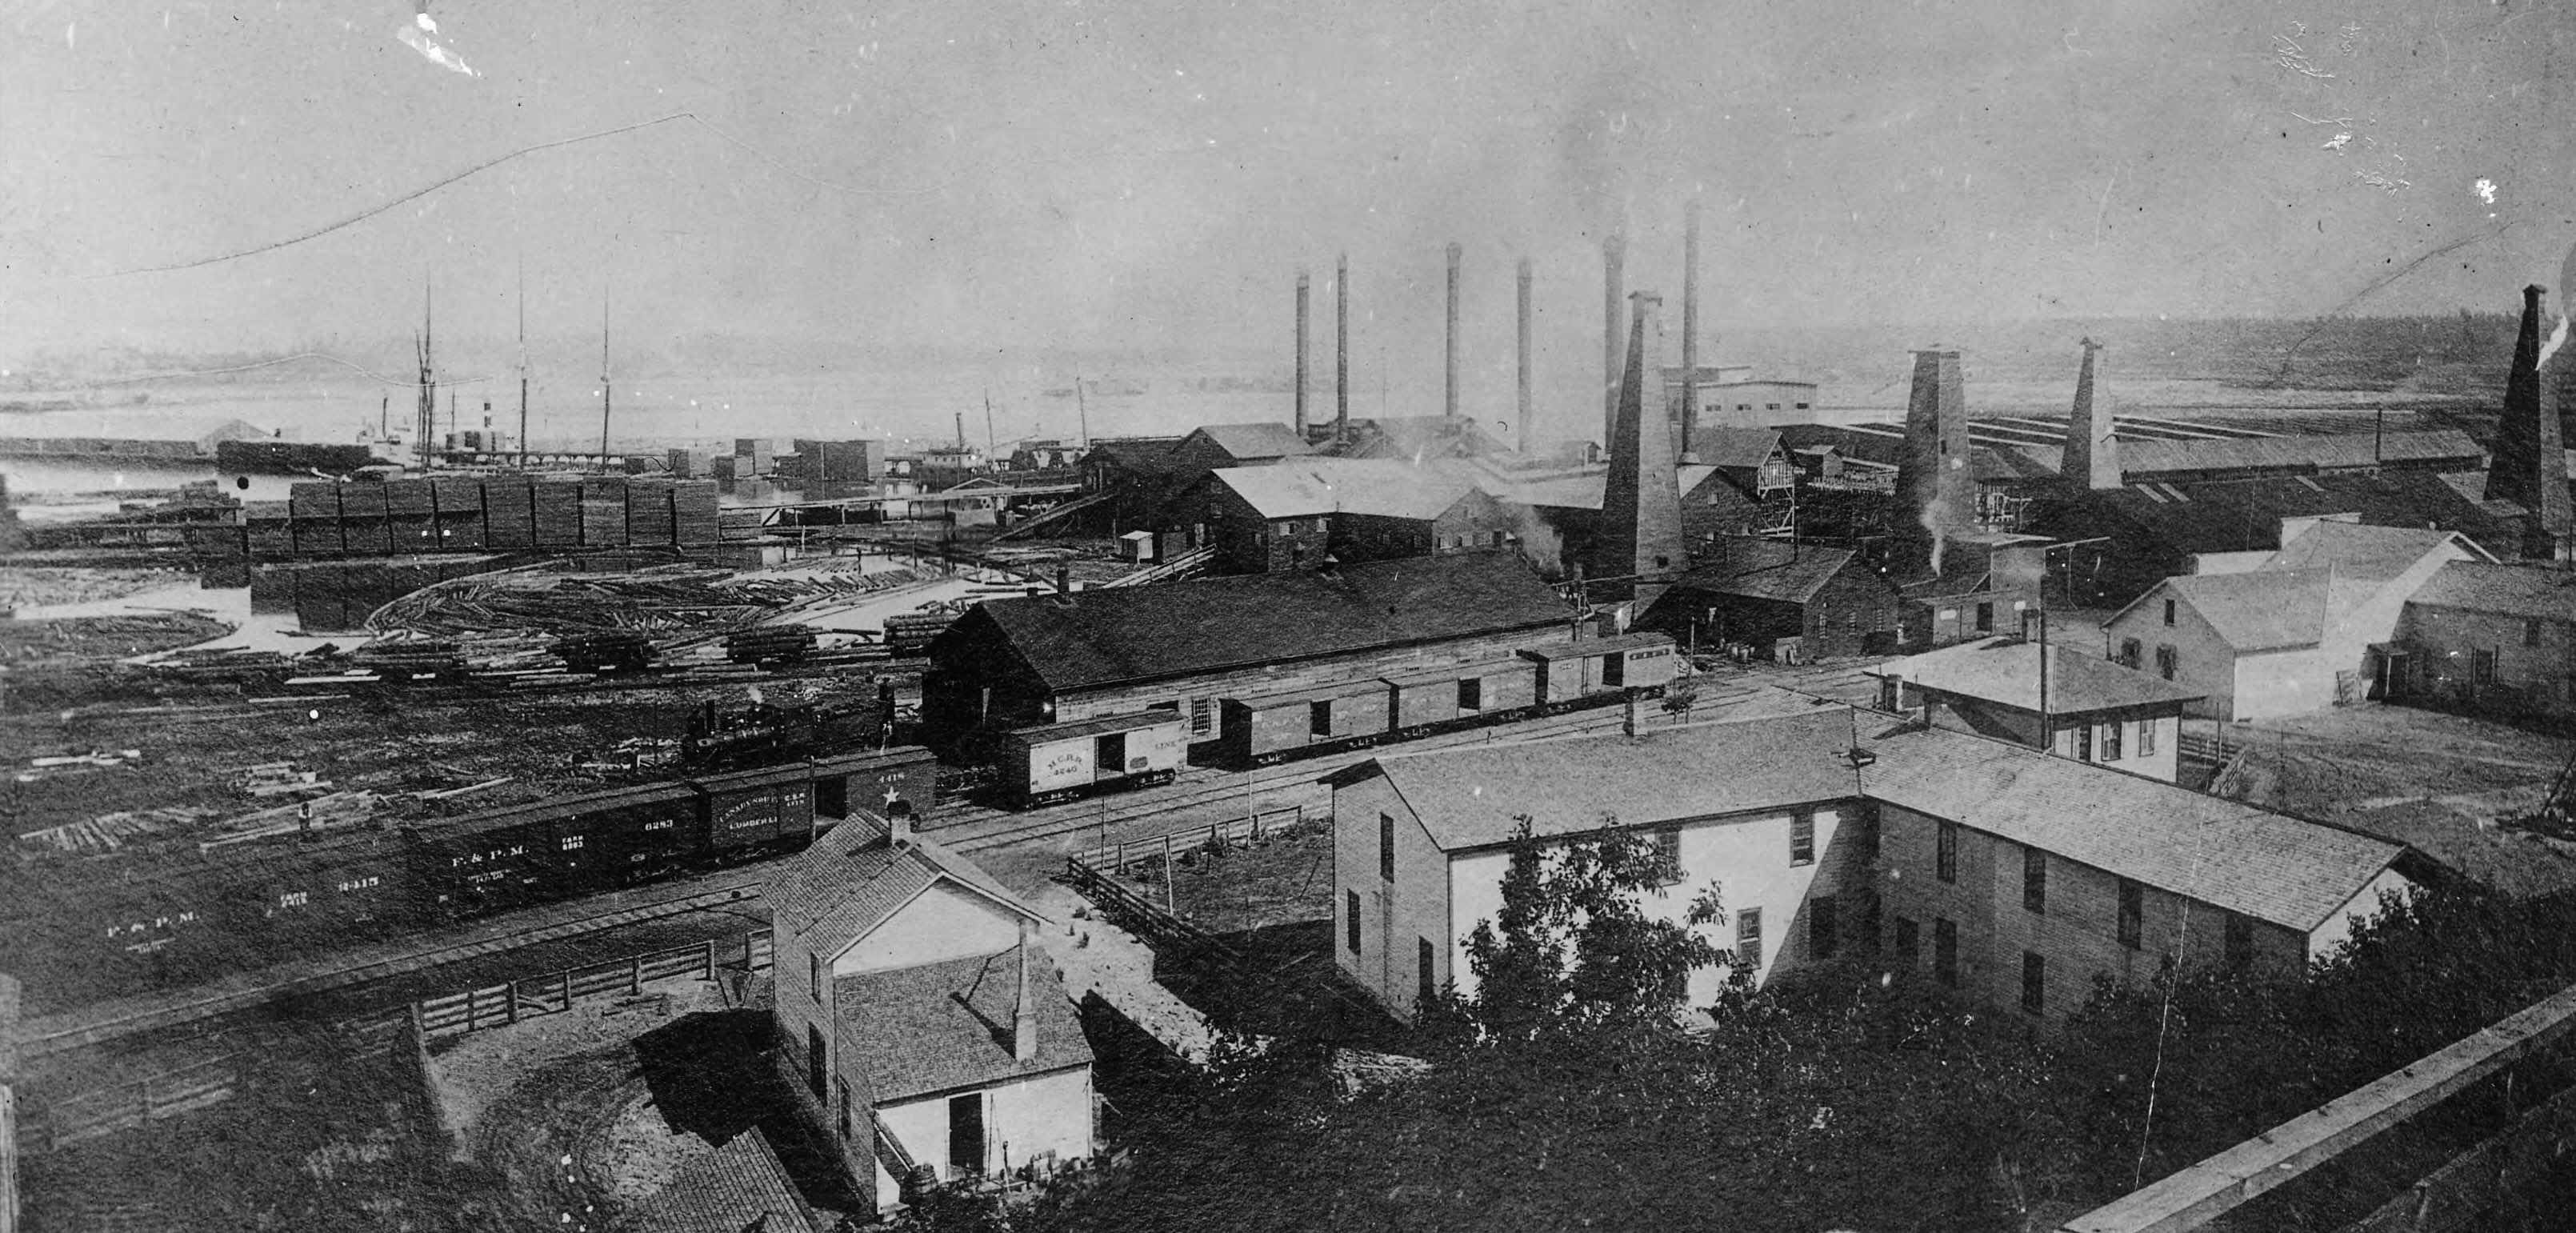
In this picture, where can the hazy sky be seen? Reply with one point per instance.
(1033, 173)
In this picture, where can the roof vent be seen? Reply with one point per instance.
(1860, 757)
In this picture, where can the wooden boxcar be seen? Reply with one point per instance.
(900, 780)
(1571, 673)
(752, 811)
(1059, 761)
(639, 833)
(1270, 728)
(1462, 695)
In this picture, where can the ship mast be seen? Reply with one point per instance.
(426, 417)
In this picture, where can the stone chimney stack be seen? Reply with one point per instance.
(2529, 467)
(1525, 441)
(1449, 397)
(1614, 260)
(1024, 1019)
(1342, 347)
(1641, 504)
(1302, 282)
(1690, 327)
(1933, 485)
(2092, 458)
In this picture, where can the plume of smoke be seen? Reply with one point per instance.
(1539, 541)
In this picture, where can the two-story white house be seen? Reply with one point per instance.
(1845, 836)
(2300, 629)
(919, 1022)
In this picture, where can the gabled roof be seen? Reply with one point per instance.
(1133, 453)
(2006, 671)
(1263, 440)
(852, 880)
(1473, 796)
(1766, 569)
(2263, 610)
(2525, 591)
(2269, 866)
(741, 1185)
(2373, 554)
(1746, 448)
(1127, 634)
(1419, 438)
(944, 1027)
(1314, 486)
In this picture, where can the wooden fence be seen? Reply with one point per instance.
(492, 1006)
(1116, 857)
(1143, 917)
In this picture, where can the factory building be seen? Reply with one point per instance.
(2092, 710)
(2492, 638)
(1306, 513)
(1786, 601)
(2306, 627)
(1186, 646)
(1737, 481)
(1841, 837)
(919, 1024)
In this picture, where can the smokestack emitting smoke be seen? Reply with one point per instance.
(1690, 322)
(1614, 259)
(1932, 478)
(1342, 347)
(1301, 352)
(2092, 454)
(1523, 405)
(1450, 398)
(2530, 466)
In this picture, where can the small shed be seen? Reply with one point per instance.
(1136, 547)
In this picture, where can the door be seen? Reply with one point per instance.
(1109, 755)
(1614, 669)
(966, 1136)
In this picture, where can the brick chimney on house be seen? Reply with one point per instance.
(2092, 458)
(1024, 1019)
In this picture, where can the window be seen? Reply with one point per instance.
(2081, 737)
(2111, 741)
(1425, 983)
(843, 1087)
(1668, 854)
(2034, 880)
(1909, 943)
(1351, 920)
(2167, 663)
(1202, 716)
(1748, 938)
(1865, 830)
(1822, 928)
(2482, 667)
(1945, 951)
(2531, 632)
(1386, 846)
(1803, 406)
(1319, 526)
(2146, 736)
(2240, 939)
(1868, 917)
(814, 1060)
(1945, 853)
(2133, 915)
(1471, 694)
(2034, 981)
(1319, 718)
(1770, 406)
(2130, 653)
(1285, 528)
(2169, 612)
(1802, 838)
(814, 976)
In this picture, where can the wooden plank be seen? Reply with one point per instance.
(2199, 1194)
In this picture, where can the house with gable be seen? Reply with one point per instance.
(2306, 626)
(1302, 513)
(923, 1029)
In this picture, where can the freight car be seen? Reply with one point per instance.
(1046, 763)
(200, 918)
(1268, 729)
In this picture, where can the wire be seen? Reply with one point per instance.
(2182, 936)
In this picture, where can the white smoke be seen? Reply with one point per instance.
(2557, 337)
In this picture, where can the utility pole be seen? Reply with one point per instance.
(992, 443)
(523, 362)
(604, 390)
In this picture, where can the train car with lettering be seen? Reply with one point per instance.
(750, 813)
(1590, 671)
(899, 781)
(1046, 763)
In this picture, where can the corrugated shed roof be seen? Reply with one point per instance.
(946, 1026)
(1264, 440)
(1104, 637)
(2525, 591)
(1314, 486)
(2263, 610)
(2006, 671)
(740, 1186)
(2266, 865)
(1474, 796)
(2353, 550)
(1767, 569)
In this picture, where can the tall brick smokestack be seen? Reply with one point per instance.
(2530, 466)
(1449, 397)
(1614, 260)
(1522, 406)
(2092, 458)
(1301, 352)
(1342, 347)
(1641, 503)
(1933, 486)
(1690, 324)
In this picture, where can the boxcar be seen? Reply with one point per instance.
(1270, 728)
(1462, 694)
(639, 833)
(877, 782)
(1055, 762)
(493, 861)
(1570, 673)
(752, 811)
(343, 890)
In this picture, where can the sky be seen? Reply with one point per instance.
(1071, 174)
